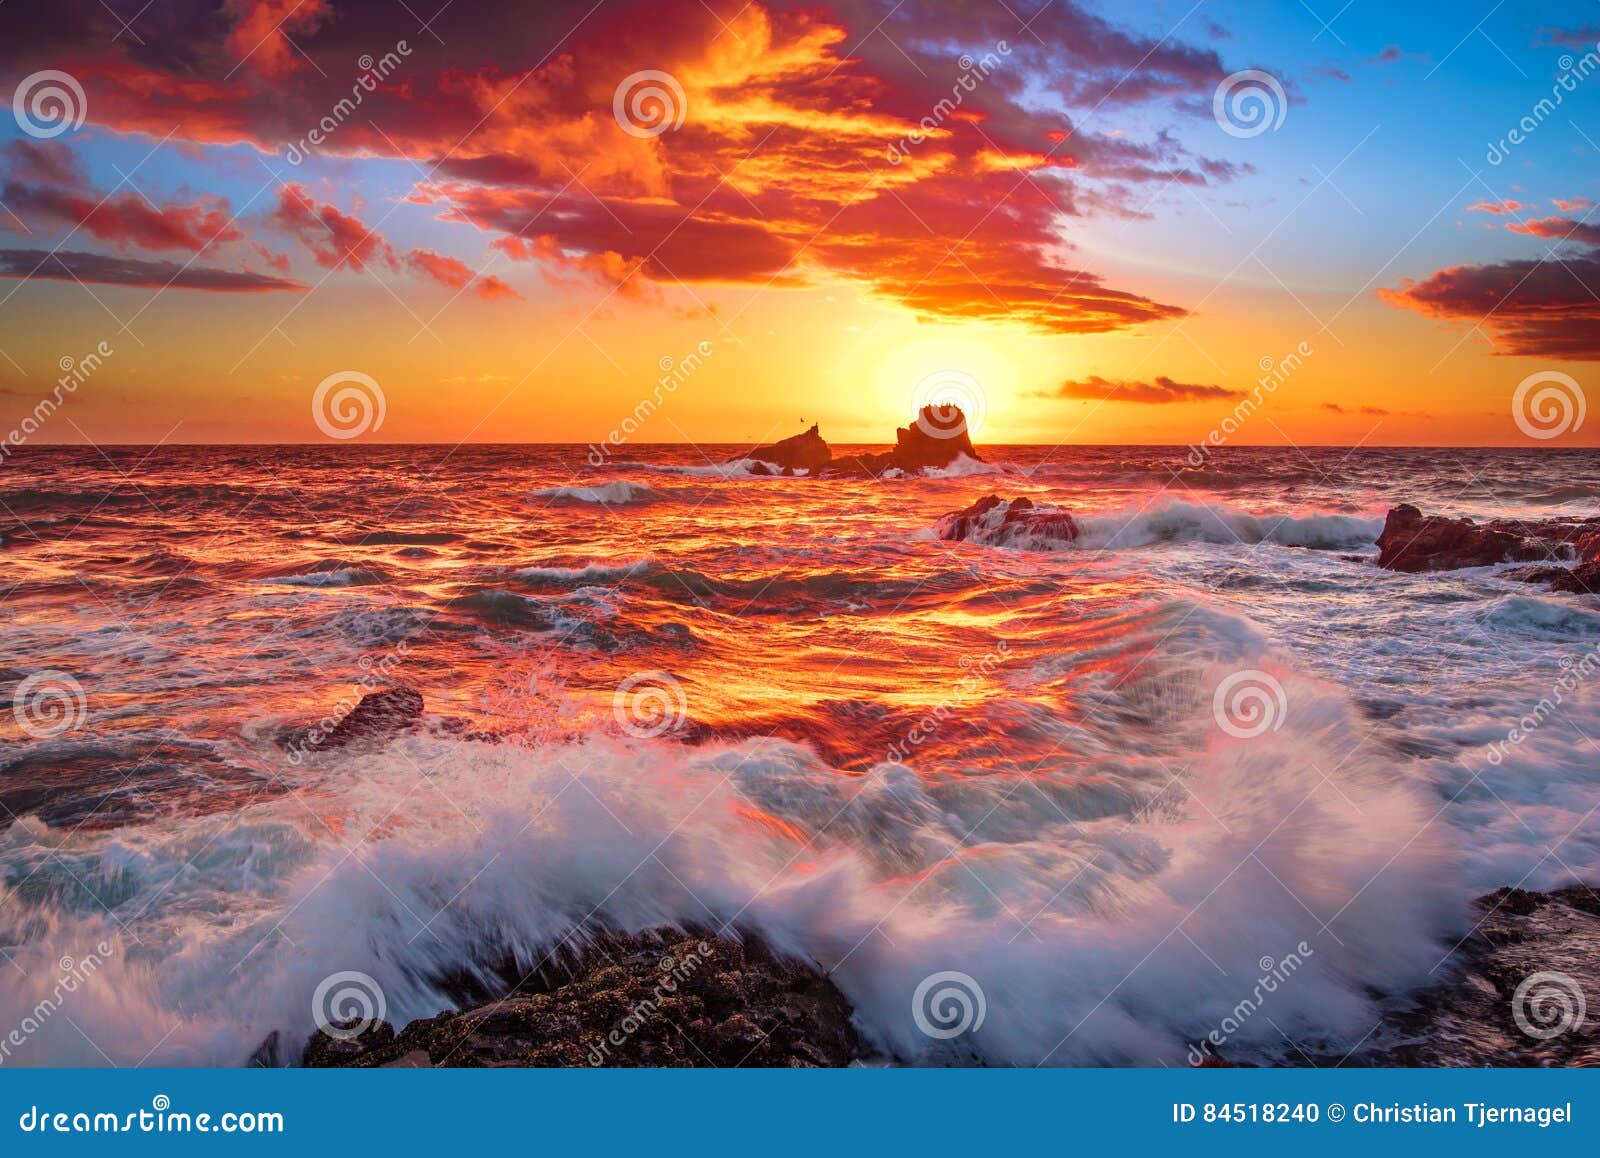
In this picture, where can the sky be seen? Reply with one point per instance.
(720, 221)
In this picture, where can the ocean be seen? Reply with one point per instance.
(1111, 782)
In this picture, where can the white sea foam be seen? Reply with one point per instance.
(616, 493)
(1080, 896)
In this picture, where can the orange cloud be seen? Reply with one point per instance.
(1162, 391)
(796, 143)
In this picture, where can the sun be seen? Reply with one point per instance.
(942, 368)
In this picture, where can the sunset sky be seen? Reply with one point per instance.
(512, 250)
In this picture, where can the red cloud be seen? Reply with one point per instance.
(125, 219)
(1499, 208)
(262, 29)
(1572, 204)
(334, 238)
(452, 272)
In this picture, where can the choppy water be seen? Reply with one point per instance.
(1065, 819)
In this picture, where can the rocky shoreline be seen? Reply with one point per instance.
(1511, 995)
(667, 998)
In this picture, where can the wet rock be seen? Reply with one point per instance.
(379, 716)
(1513, 990)
(657, 999)
(1412, 541)
(1582, 579)
(997, 522)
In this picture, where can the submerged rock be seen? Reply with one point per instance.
(658, 999)
(379, 716)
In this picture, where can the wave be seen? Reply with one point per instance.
(329, 573)
(587, 573)
(738, 468)
(1078, 895)
(617, 493)
(1048, 528)
(964, 467)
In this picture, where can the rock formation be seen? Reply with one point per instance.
(657, 999)
(936, 439)
(996, 522)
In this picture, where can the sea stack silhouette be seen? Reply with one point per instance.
(933, 441)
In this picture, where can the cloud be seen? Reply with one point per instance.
(1529, 308)
(1498, 208)
(1572, 204)
(260, 38)
(1371, 411)
(124, 219)
(1559, 229)
(71, 265)
(333, 238)
(1162, 391)
(456, 274)
(1390, 53)
(779, 174)
(45, 162)
(1586, 36)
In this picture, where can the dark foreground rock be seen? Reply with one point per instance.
(802, 452)
(1524, 990)
(379, 716)
(659, 999)
(937, 438)
(1414, 542)
(998, 523)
